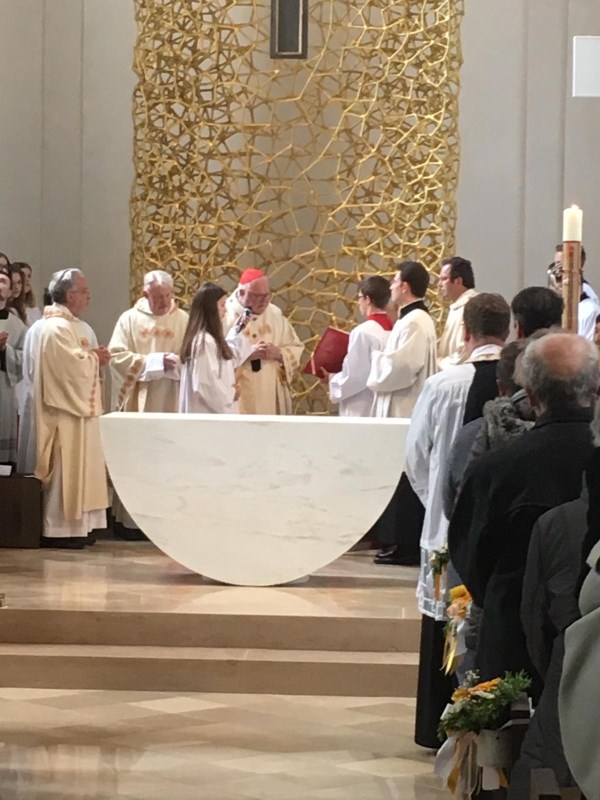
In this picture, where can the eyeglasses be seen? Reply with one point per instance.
(259, 296)
(360, 297)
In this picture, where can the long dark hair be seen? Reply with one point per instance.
(18, 304)
(204, 316)
(28, 297)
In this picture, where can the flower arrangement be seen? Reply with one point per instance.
(477, 752)
(457, 611)
(438, 561)
(478, 706)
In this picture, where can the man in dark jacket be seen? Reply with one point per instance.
(548, 607)
(506, 491)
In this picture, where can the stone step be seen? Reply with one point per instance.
(209, 669)
(169, 629)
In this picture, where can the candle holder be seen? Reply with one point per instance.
(571, 285)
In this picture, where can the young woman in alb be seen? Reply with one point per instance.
(208, 358)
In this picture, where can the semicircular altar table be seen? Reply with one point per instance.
(253, 500)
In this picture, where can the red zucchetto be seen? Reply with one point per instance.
(249, 275)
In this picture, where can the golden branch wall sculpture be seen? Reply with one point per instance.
(319, 171)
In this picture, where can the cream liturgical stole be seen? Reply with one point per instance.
(267, 390)
(138, 344)
(68, 408)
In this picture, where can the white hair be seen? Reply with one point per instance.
(157, 277)
(62, 282)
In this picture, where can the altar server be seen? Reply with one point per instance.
(12, 336)
(208, 380)
(399, 371)
(348, 388)
(264, 381)
(436, 420)
(32, 309)
(144, 365)
(457, 285)
(70, 461)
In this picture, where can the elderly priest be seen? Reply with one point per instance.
(70, 462)
(264, 381)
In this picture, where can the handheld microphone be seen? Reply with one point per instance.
(243, 320)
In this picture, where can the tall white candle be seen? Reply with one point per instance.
(572, 224)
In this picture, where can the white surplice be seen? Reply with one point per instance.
(587, 312)
(451, 347)
(10, 376)
(27, 425)
(399, 371)
(268, 390)
(437, 418)
(348, 388)
(208, 382)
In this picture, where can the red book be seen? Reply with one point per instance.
(329, 354)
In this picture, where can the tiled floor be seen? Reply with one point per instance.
(117, 576)
(147, 746)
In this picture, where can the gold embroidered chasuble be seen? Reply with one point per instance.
(68, 409)
(268, 390)
(139, 340)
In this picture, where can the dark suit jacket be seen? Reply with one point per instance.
(503, 495)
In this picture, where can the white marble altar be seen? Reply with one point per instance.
(253, 500)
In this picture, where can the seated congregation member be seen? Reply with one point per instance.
(12, 337)
(17, 299)
(457, 285)
(70, 461)
(507, 490)
(33, 311)
(208, 380)
(4, 260)
(398, 374)
(436, 419)
(144, 365)
(264, 382)
(348, 388)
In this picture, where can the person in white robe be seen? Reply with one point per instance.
(70, 461)
(208, 380)
(27, 451)
(32, 309)
(436, 420)
(348, 388)
(144, 347)
(457, 286)
(12, 337)
(399, 371)
(265, 380)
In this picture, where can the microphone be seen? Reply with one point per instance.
(243, 320)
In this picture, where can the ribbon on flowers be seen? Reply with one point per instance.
(455, 633)
(456, 764)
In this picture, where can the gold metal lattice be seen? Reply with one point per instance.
(318, 171)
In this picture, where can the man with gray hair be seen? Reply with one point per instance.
(507, 490)
(70, 461)
(144, 367)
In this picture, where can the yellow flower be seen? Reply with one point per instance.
(460, 693)
(486, 686)
(459, 591)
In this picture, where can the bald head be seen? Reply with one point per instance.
(561, 369)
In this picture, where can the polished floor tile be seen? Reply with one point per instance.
(121, 576)
(105, 745)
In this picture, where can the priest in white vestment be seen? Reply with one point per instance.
(348, 388)
(457, 286)
(144, 365)
(70, 461)
(437, 418)
(12, 338)
(399, 371)
(264, 381)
